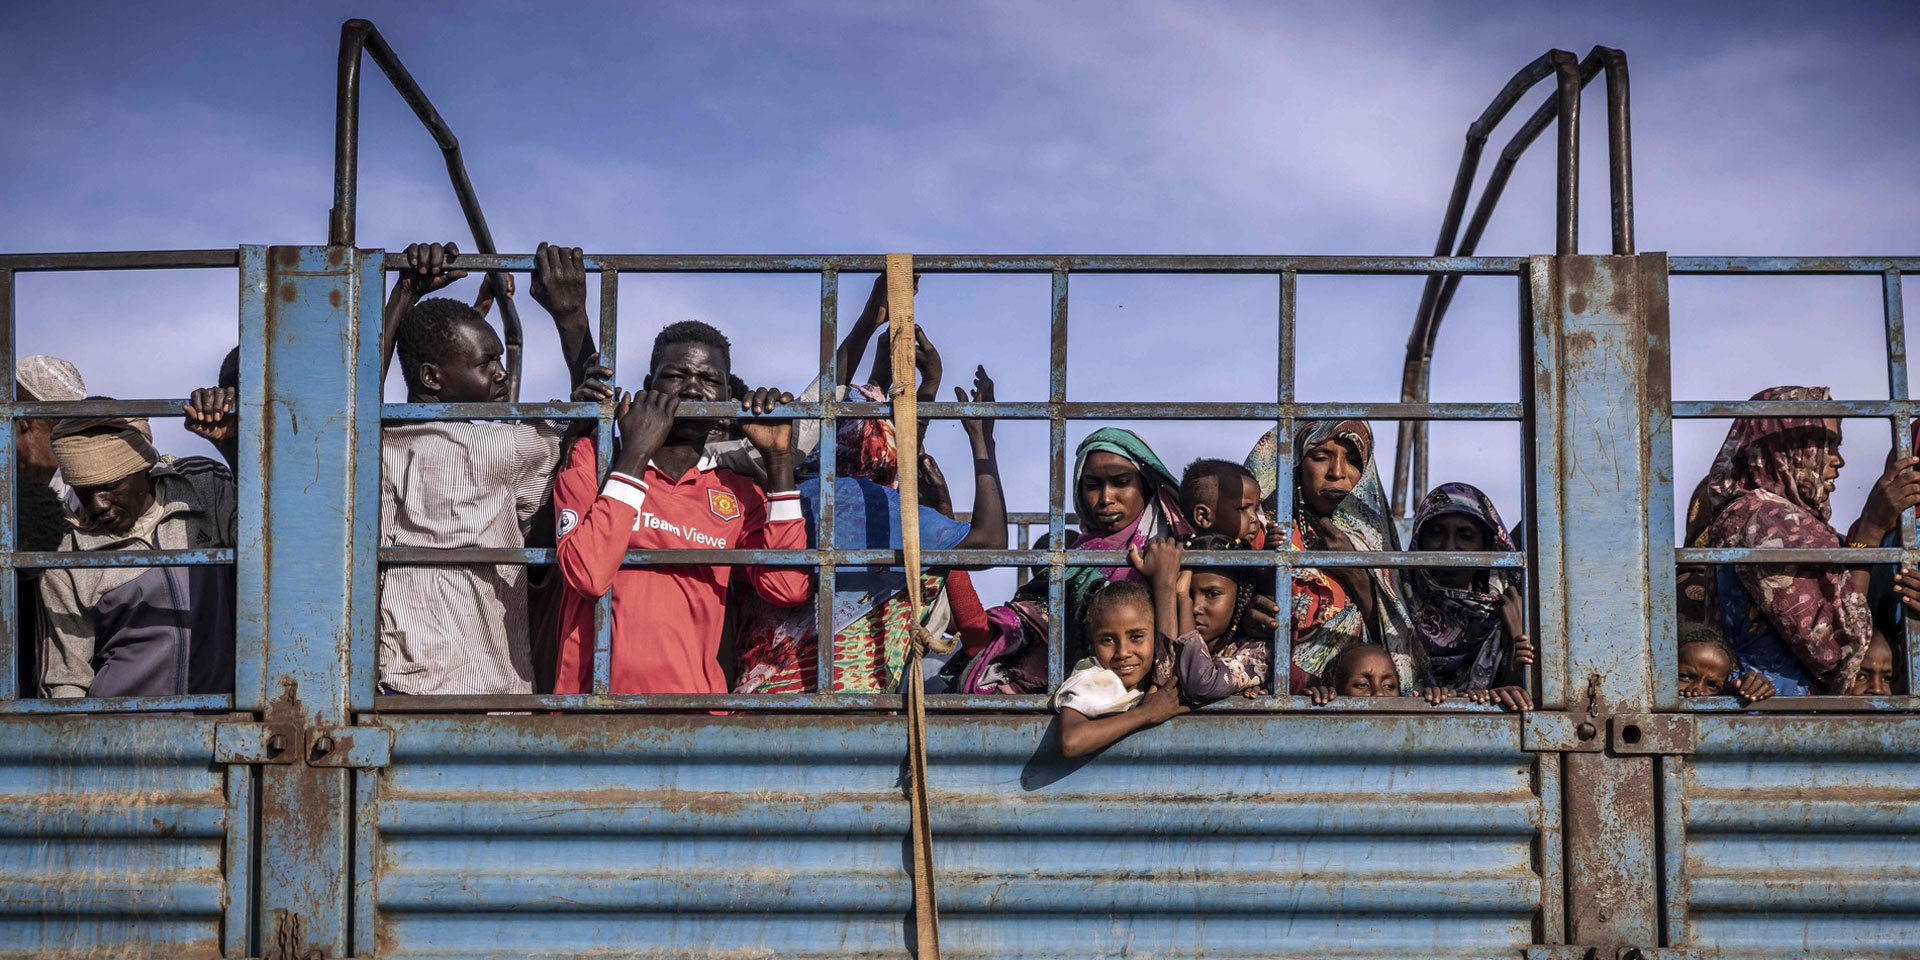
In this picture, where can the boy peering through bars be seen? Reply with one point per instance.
(463, 629)
(667, 491)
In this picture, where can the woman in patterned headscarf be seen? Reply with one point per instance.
(1805, 627)
(1471, 622)
(1339, 504)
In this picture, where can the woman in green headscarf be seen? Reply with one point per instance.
(1339, 504)
(1123, 496)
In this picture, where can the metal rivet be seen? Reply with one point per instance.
(1585, 731)
(277, 743)
(322, 746)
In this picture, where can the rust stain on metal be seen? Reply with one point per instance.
(333, 298)
(288, 291)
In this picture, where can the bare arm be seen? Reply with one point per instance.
(1081, 735)
(560, 285)
(989, 524)
(853, 348)
(1160, 564)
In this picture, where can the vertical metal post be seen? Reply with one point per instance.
(1897, 389)
(1663, 612)
(9, 505)
(824, 644)
(1619, 149)
(1612, 315)
(1541, 465)
(1057, 485)
(1567, 195)
(603, 452)
(307, 562)
(1283, 491)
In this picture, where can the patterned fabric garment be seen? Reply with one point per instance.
(1463, 634)
(1234, 665)
(777, 648)
(1363, 516)
(1768, 490)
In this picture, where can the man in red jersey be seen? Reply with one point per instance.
(666, 492)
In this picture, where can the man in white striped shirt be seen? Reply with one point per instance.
(462, 629)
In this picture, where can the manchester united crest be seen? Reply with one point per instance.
(724, 505)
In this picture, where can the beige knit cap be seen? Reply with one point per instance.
(103, 450)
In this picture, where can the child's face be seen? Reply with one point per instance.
(1703, 670)
(1371, 674)
(1876, 671)
(1213, 596)
(1122, 637)
(1236, 510)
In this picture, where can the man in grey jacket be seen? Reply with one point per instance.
(139, 631)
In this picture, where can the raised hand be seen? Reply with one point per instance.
(483, 301)
(213, 414)
(1322, 694)
(560, 280)
(770, 437)
(1906, 586)
(1159, 561)
(594, 387)
(978, 428)
(429, 268)
(644, 419)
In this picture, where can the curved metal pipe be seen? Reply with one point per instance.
(357, 36)
(1416, 374)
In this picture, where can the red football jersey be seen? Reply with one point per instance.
(666, 620)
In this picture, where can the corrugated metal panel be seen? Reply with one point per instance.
(113, 837)
(1802, 835)
(750, 836)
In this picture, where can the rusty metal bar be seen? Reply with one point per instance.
(1057, 482)
(1829, 555)
(603, 454)
(196, 703)
(825, 642)
(1619, 148)
(1006, 263)
(122, 260)
(1897, 389)
(1844, 409)
(9, 507)
(355, 36)
(1282, 655)
(80, 409)
(1566, 200)
(1371, 559)
(950, 410)
(885, 703)
(65, 560)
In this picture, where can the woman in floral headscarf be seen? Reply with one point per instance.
(1805, 627)
(1471, 623)
(1339, 504)
(1124, 496)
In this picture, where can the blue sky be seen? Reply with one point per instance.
(990, 128)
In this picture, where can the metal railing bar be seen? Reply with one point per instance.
(1006, 263)
(1846, 556)
(1844, 409)
(825, 574)
(200, 702)
(601, 669)
(123, 260)
(1803, 704)
(1057, 474)
(878, 702)
(1776, 266)
(435, 556)
(61, 560)
(10, 611)
(78, 409)
(944, 410)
